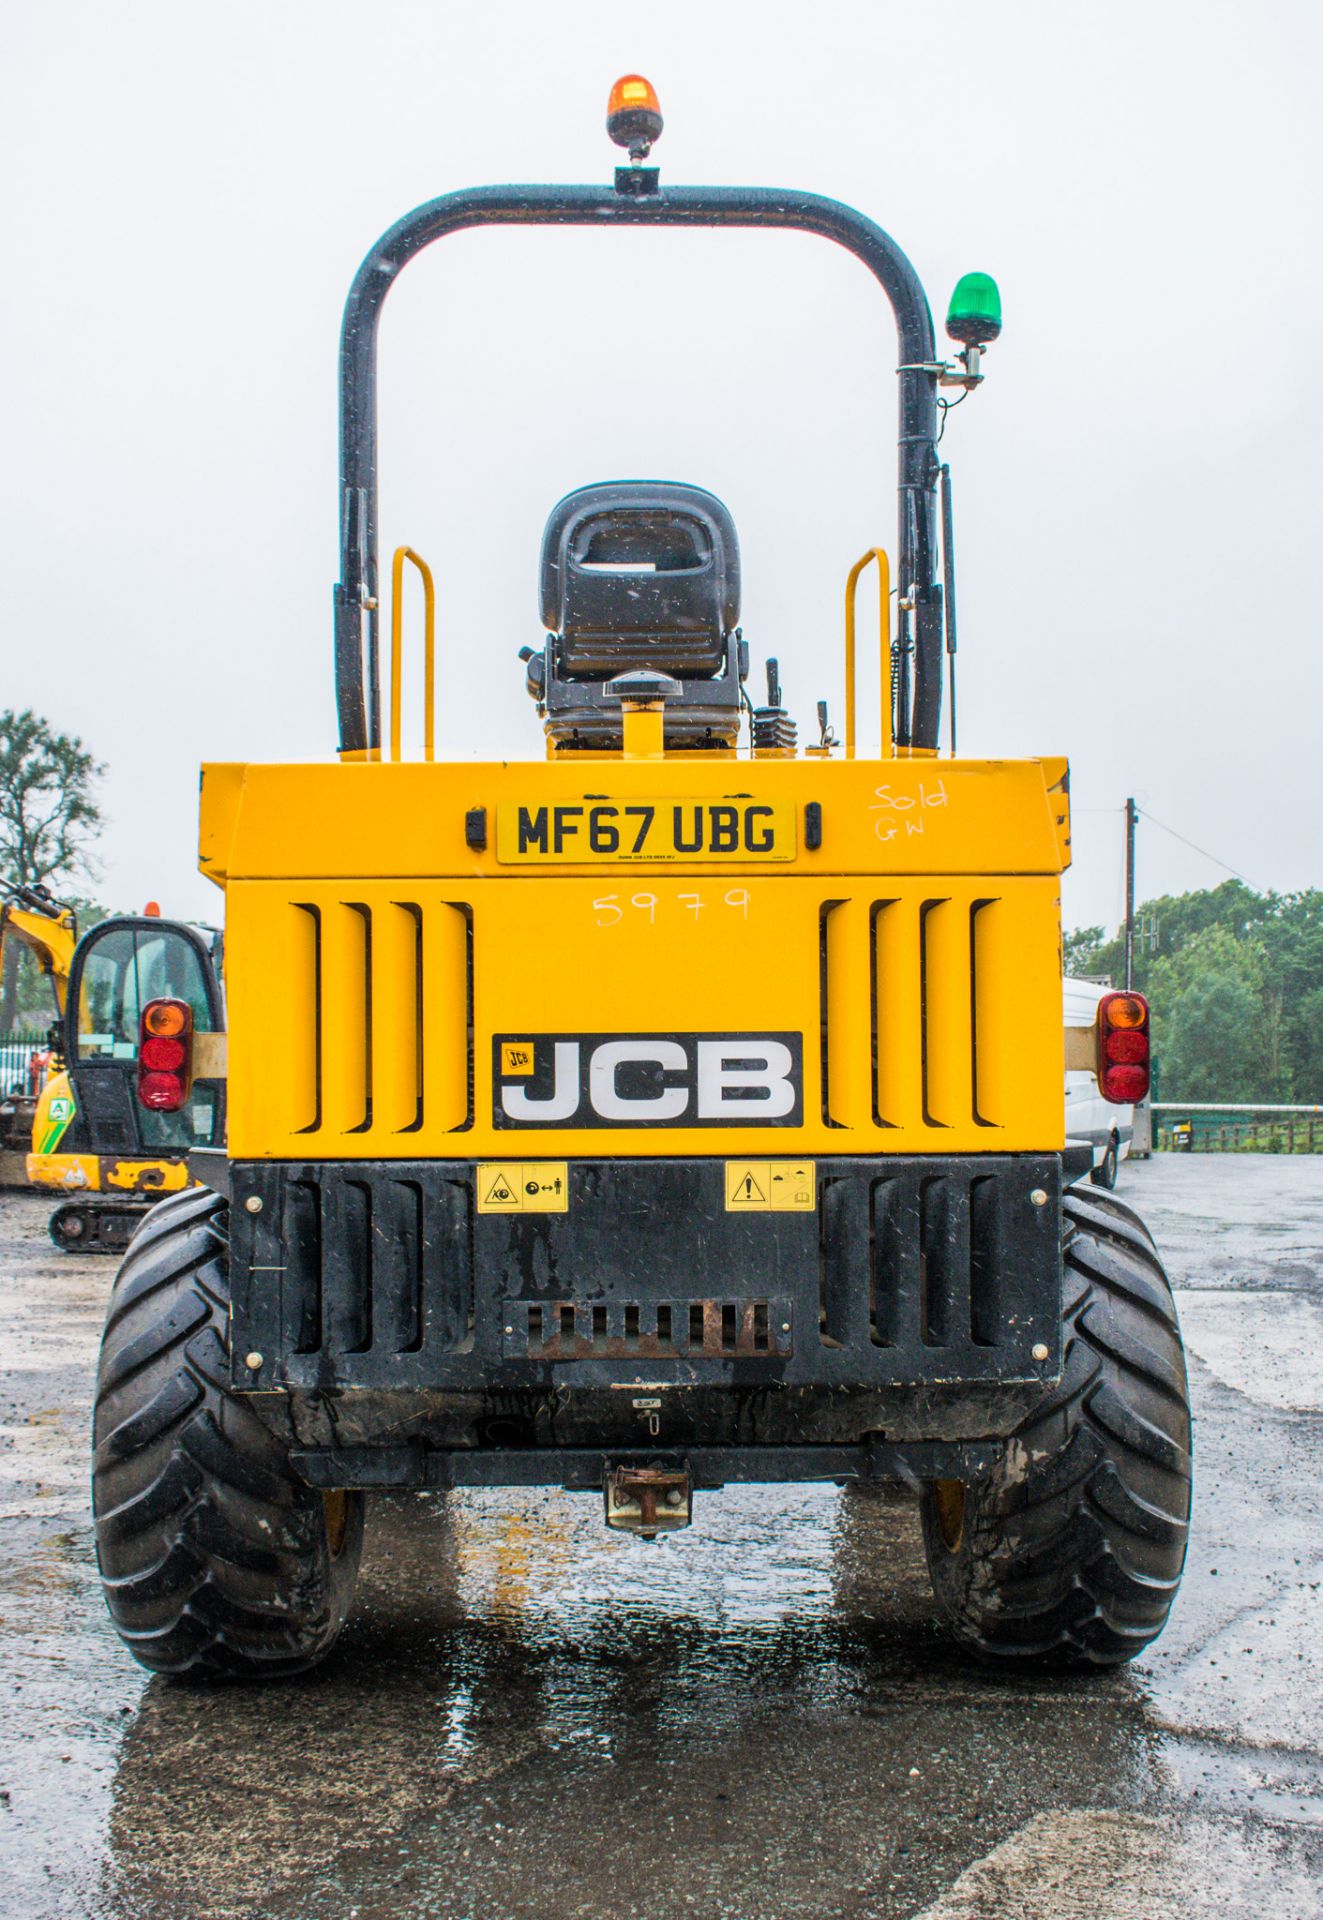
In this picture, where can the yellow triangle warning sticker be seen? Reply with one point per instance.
(499, 1193)
(746, 1184)
(771, 1186)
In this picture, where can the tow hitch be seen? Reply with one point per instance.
(648, 1500)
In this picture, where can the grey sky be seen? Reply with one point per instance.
(190, 188)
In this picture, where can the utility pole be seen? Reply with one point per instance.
(1131, 816)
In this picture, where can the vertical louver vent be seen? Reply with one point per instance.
(929, 970)
(387, 994)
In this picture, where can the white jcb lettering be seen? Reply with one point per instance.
(646, 1080)
(604, 1093)
(562, 1103)
(731, 1088)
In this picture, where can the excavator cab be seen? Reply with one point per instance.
(93, 1139)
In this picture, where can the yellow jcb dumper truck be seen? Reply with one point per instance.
(670, 1110)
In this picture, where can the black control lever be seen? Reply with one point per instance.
(773, 729)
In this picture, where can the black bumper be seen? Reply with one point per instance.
(934, 1276)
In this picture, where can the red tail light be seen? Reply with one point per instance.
(165, 1055)
(1123, 1047)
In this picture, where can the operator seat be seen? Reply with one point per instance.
(639, 574)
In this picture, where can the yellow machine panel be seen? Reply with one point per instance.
(375, 1017)
(918, 815)
(107, 1173)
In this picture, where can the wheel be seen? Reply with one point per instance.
(67, 1227)
(214, 1556)
(1072, 1551)
(1104, 1174)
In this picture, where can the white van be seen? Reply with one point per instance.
(1107, 1128)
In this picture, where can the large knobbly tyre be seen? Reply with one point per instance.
(214, 1557)
(1071, 1553)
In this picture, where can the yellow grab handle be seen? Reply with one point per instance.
(884, 649)
(397, 649)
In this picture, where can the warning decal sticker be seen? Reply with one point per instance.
(523, 1186)
(747, 1192)
(771, 1186)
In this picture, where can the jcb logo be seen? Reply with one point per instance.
(647, 1080)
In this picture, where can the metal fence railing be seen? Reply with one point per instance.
(1223, 1127)
(16, 1049)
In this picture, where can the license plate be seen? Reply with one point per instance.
(623, 832)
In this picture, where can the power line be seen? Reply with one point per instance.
(1234, 871)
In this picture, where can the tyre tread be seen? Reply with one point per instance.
(1074, 1550)
(212, 1552)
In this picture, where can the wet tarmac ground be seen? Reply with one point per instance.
(759, 1719)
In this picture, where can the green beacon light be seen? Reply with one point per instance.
(974, 316)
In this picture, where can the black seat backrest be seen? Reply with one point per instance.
(640, 573)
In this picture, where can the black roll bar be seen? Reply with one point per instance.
(357, 593)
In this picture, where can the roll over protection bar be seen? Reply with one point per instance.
(359, 702)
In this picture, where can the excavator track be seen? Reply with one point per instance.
(96, 1226)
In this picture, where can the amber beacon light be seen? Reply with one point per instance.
(633, 115)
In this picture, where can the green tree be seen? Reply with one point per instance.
(1216, 1023)
(48, 815)
(1081, 949)
(48, 819)
(1209, 1053)
(1165, 925)
(1305, 1048)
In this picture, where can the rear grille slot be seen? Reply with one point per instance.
(987, 1239)
(397, 1266)
(991, 1055)
(893, 1266)
(944, 1262)
(878, 908)
(365, 915)
(644, 1330)
(829, 992)
(307, 947)
(303, 1250)
(347, 1236)
(415, 913)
